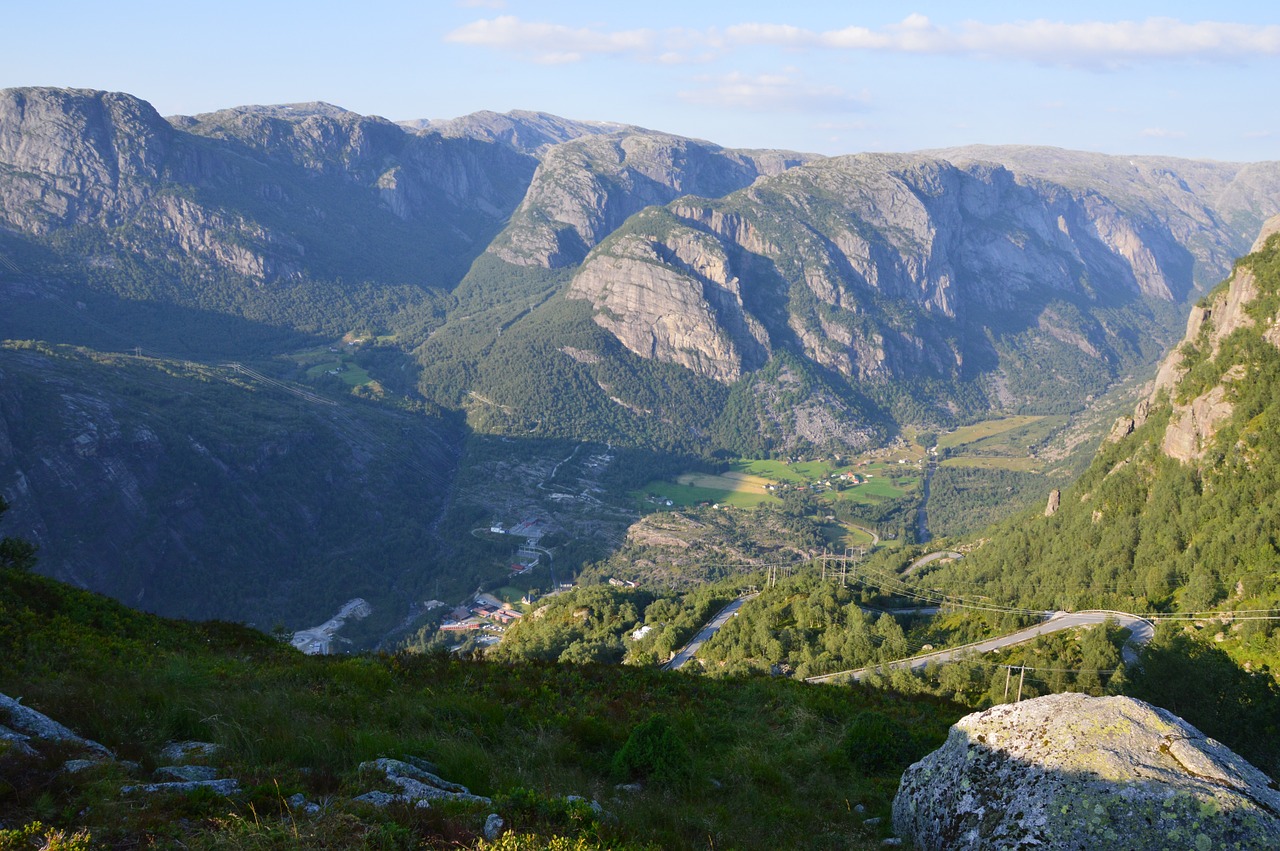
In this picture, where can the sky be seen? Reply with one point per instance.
(1188, 79)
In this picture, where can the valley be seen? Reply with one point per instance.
(522, 410)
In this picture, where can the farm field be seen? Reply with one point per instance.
(1005, 436)
(744, 485)
(988, 462)
(737, 489)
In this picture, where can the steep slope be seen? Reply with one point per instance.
(1007, 291)
(198, 492)
(527, 736)
(265, 212)
(1213, 209)
(584, 189)
(1179, 511)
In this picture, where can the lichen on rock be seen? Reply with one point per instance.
(1068, 771)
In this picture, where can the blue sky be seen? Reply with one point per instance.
(1178, 78)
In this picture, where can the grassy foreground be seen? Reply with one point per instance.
(743, 763)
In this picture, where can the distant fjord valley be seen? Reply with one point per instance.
(562, 405)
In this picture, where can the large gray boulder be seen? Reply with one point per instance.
(1068, 771)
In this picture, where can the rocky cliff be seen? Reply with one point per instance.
(586, 188)
(1201, 403)
(264, 193)
(890, 267)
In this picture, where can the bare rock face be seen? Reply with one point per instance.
(1068, 771)
(586, 188)
(834, 240)
(1055, 500)
(1194, 423)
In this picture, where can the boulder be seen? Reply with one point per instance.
(31, 724)
(186, 751)
(416, 785)
(1068, 771)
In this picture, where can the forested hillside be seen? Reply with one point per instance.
(1178, 512)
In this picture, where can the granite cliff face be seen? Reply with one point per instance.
(883, 267)
(260, 192)
(586, 188)
(1199, 411)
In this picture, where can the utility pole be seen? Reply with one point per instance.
(1021, 677)
(1008, 673)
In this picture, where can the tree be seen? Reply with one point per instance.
(15, 552)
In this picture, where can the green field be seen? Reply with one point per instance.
(987, 462)
(982, 431)
(744, 485)
(736, 489)
(352, 374)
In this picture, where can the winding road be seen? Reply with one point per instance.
(704, 635)
(1140, 629)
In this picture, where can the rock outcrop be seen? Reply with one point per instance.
(812, 258)
(1068, 771)
(1195, 420)
(586, 188)
(266, 193)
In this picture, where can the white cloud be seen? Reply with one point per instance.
(550, 43)
(481, 4)
(1095, 43)
(785, 92)
(1163, 133)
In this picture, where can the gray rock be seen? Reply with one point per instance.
(1068, 771)
(378, 799)
(594, 805)
(183, 751)
(186, 772)
(422, 764)
(74, 766)
(37, 725)
(633, 788)
(300, 803)
(16, 743)
(418, 785)
(493, 827)
(225, 786)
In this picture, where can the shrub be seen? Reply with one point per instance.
(654, 752)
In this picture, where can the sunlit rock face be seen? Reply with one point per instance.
(1068, 771)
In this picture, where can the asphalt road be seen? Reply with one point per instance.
(1140, 632)
(704, 635)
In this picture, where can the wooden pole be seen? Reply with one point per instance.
(1021, 677)
(1008, 673)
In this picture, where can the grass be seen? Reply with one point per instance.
(765, 766)
(743, 486)
(986, 462)
(351, 373)
(967, 435)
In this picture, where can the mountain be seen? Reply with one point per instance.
(302, 216)
(526, 131)
(204, 492)
(1005, 290)
(552, 280)
(586, 188)
(1179, 511)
